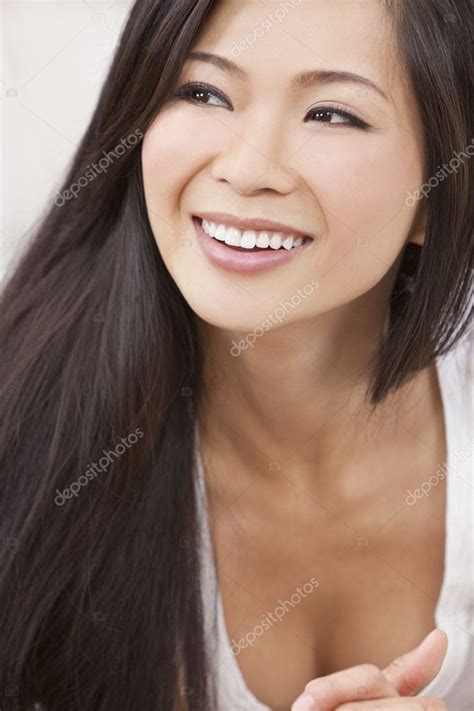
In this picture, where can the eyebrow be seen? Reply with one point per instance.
(305, 80)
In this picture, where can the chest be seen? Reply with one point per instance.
(307, 595)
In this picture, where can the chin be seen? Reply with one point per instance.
(226, 314)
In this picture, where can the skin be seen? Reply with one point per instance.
(399, 681)
(301, 482)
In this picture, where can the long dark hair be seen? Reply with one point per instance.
(100, 604)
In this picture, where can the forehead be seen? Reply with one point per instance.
(290, 36)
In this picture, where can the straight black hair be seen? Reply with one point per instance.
(100, 593)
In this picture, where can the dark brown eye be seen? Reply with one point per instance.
(198, 93)
(335, 117)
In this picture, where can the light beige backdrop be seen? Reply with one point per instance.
(54, 58)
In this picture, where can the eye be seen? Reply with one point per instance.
(335, 116)
(197, 93)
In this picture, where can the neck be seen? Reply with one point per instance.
(298, 399)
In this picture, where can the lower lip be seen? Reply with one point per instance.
(234, 259)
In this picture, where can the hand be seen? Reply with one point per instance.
(366, 688)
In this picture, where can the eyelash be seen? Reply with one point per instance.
(354, 121)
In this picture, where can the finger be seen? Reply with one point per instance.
(413, 671)
(365, 681)
(402, 703)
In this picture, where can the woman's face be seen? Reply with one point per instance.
(331, 155)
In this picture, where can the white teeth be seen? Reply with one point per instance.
(276, 240)
(232, 236)
(248, 239)
(220, 233)
(263, 239)
(209, 227)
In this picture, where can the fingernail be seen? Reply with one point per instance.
(304, 703)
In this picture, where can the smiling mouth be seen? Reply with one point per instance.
(251, 240)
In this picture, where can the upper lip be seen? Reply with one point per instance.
(251, 224)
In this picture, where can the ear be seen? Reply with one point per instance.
(418, 228)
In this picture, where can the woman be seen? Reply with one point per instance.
(240, 354)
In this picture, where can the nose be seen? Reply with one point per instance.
(251, 162)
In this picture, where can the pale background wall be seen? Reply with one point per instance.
(54, 59)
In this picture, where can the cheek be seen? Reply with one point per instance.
(363, 186)
(171, 155)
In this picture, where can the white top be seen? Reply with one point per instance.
(454, 614)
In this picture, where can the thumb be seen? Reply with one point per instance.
(414, 670)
